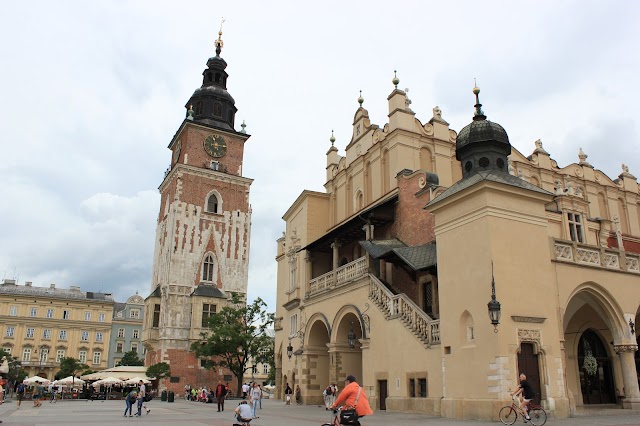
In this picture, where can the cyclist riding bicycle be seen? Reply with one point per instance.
(526, 390)
(348, 398)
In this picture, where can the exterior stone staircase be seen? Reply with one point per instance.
(399, 306)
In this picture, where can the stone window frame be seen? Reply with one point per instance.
(82, 356)
(134, 314)
(218, 205)
(416, 378)
(97, 357)
(208, 267)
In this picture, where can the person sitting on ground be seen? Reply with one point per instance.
(243, 412)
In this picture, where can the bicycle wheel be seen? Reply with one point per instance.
(508, 415)
(538, 416)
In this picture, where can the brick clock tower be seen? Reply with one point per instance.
(202, 238)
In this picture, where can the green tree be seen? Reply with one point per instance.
(70, 366)
(131, 358)
(236, 334)
(159, 371)
(16, 372)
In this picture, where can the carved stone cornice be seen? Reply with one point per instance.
(527, 335)
(536, 320)
(625, 348)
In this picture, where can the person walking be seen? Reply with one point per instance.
(245, 390)
(131, 399)
(1, 396)
(261, 394)
(255, 398)
(327, 393)
(37, 393)
(221, 392)
(287, 394)
(20, 394)
(142, 393)
(298, 395)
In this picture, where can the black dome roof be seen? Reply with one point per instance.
(481, 131)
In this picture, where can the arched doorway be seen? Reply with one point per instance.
(316, 360)
(596, 372)
(348, 356)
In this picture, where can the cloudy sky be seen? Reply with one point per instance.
(92, 92)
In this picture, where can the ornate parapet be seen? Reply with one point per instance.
(599, 257)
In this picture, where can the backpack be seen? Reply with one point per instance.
(20, 388)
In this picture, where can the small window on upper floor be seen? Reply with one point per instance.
(575, 227)
(217, 77)
(212, 204)
(217, 109)
(199, 108)
(207, 268)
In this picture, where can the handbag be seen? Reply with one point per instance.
(350, 416)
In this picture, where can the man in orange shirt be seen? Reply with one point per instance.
(348, 396)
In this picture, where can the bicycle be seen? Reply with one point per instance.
(336, 418)
(509, 414)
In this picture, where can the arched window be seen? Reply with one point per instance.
(217, 109)
(207, 268)
(217, 77)
(199, 108)
(209, 76)
(212, 204)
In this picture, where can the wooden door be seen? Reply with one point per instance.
(528, 365)
(382, 391)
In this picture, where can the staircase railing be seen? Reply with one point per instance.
(400, 306)
(340, 276)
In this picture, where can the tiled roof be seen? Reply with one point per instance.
(207, 290)
(418, 257)
(378, 248)
(487, 175)
(56, 293)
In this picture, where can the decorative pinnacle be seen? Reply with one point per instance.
(243, 125)
(190, 113)
(478, 114)
(219, 43)
(332, 139)
(361, 99)
(395, 79)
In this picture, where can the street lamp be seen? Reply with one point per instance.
(493, 305)
(289, 349)
(351, 337)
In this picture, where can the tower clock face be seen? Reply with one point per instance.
(215, 145)
(176, 151)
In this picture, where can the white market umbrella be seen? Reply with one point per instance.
(69, 381)
(34, 379)
(109, 381)
(136, 380)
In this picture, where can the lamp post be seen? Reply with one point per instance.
(289, 350)
(493, 305)
(351, 337)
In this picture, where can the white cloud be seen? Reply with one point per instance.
(93, 93)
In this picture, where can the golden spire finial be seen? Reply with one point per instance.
(219, 42)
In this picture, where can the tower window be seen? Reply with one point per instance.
(156, 315)
(199, 108)
(208, 309)
(217, 77)
(207, 268)
(210, 76)
(212, 204)
(231, 117)
(484, 162)
(217, 109)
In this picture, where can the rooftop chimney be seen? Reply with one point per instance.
(27, 283)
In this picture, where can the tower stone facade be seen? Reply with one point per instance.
(202, 238)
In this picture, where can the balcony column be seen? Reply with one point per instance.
(336, 254)
(308, 271)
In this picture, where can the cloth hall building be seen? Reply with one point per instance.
(387, 274)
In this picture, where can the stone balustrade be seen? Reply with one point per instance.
(401, 307)
(338, 277)
(582, 254)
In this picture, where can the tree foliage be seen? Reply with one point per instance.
(70, 366)
(131, 358)
(159, 371)
(16, 372)
(236, 335)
